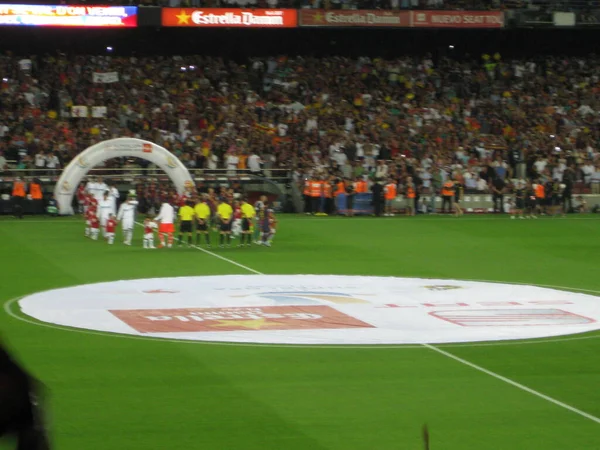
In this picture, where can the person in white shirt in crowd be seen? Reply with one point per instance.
(213, 161)
(3, 162)
(127, 218)
(595, 180)
(166, 217)
(470, 180)
(104, 210)
(113, 194)
(540, 165)
(52, 163)
(232, 162)
(588, 170)
(381, 170)
(482, 185)
(254, 163)
(40, 163)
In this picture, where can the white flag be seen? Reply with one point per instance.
(79, 111)
(106, 77)
(99, 111)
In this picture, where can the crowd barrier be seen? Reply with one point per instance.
(477, 203)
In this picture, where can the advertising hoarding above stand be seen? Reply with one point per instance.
(69, 16)
(229, 17)
(353, 18)
(457, 19)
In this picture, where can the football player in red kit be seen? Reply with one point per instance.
(90, 212)
(94, 227)
(82, 198)
(236, 225)
(111, 225)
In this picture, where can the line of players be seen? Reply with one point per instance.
(232, 218)
(101, 217)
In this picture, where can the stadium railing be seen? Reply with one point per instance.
(133, 173)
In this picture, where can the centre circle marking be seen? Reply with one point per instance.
(317, 309)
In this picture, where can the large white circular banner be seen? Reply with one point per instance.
(317, 309)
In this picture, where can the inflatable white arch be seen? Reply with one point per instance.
(116, 148)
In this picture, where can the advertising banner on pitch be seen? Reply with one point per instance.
(69, 16)
(229, 17)
(355, 18)
(457, 19)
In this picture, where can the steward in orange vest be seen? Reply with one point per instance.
(411, 194)
(316, 191)
(35, 190)
(390, 192)
(18, 198)
(447, 195)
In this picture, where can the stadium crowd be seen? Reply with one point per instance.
(370, 118)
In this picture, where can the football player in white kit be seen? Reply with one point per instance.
(104, 210)
(127, 218)
(149, 227)
(113, 195)
(166, 216)
(101, 189)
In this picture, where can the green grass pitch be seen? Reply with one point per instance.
(110, 392)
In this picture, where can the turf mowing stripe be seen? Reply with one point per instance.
(513, 383)
(436, 218)
(8, 309)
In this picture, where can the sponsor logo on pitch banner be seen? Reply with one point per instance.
(318, 309)
(510, 318)
(237, 319)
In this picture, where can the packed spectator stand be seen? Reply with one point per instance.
(335, 116)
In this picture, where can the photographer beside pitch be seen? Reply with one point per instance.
(20, 410)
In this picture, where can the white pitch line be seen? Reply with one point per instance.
(513, 383)
(216, 255)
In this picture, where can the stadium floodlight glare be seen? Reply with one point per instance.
(192, 67)
(109, 49)
(451, 47)
(183, 68)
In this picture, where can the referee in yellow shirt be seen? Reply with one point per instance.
(203, 213)
(248, 214)
(225, 215)
(186, 218)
